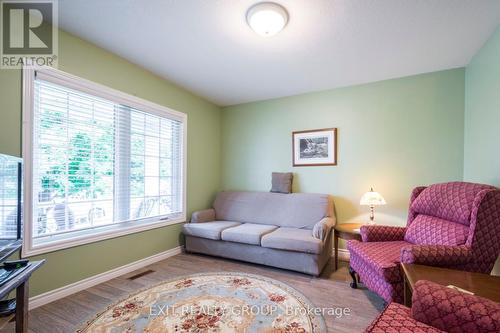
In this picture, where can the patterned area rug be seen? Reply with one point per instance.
(212, 302)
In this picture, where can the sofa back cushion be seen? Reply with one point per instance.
(448, 201)
(430, 230)
(296, 210)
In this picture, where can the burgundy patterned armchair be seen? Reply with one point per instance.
(438, 309)
(454, 225)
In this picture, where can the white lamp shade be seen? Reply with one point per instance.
(372, 198)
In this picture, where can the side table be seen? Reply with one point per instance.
(20, 283)
(484, 285)
(345, 231)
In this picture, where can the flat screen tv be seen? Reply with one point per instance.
(11, 196)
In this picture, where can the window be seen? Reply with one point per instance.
(99, 163)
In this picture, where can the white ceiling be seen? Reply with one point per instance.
(207, 47)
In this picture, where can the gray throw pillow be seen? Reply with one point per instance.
(282, 182)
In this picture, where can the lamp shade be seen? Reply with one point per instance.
(372, 198)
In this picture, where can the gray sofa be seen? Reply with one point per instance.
(291, 231)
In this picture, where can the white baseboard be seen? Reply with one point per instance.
(75, 287)
(53, 295)
(343, 255)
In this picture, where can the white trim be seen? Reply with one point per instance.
(95, 237)
(27, 141)
(80, 84)
(54, 295)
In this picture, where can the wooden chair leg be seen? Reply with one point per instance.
(353, 284)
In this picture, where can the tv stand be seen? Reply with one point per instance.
(20, 283)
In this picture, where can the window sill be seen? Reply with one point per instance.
(88, 238)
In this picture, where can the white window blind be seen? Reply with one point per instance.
(98, 163)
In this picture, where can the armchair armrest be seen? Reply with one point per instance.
(382, 233)
(453, 311)
(436, 255)
(323, 228)
(205, 215)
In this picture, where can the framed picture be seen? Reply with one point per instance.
(315, 147)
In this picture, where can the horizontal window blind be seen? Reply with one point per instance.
(97, 162)
(9, 188)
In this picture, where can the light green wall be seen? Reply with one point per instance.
(482, 117)
(482, 114)
(392, 135)
(204, 156)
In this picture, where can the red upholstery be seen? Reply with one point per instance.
(436, 255)
(453, 311)
(484, 236)
(377, 264)
(427, 229)
(382, 258)
(437, 308)
(414, 194)
(396, 319)
(382, 233)
(449, 201)
(454, 225)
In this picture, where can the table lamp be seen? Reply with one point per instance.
(372, 199)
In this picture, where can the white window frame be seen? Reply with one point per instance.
(105, 232)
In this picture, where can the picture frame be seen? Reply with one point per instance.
(314, 147)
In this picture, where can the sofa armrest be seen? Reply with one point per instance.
(382, 233)
(323, 228)
(453, 311)
(436, 255)
(205, 215)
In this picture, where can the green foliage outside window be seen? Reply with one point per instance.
(86, 163)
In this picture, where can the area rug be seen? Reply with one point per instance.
(211, 302)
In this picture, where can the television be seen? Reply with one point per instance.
(11, 197)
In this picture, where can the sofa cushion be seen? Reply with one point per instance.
(430, 230)
(295, 210)
(292, 239)
(396, 318)
(383, 258)
(247, 233)
(448, 201)
(210, 230)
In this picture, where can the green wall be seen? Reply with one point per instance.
(392, 135)
(81, 58)
(482, 114)
(482, 117)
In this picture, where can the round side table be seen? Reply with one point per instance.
(345, 231)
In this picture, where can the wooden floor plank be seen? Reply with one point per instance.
(331, 289)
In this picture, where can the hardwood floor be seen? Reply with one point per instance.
(329, 290)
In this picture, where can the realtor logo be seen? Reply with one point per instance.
(28, 33)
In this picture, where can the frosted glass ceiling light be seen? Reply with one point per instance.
(267, 18)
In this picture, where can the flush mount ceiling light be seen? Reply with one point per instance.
(267, 18)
